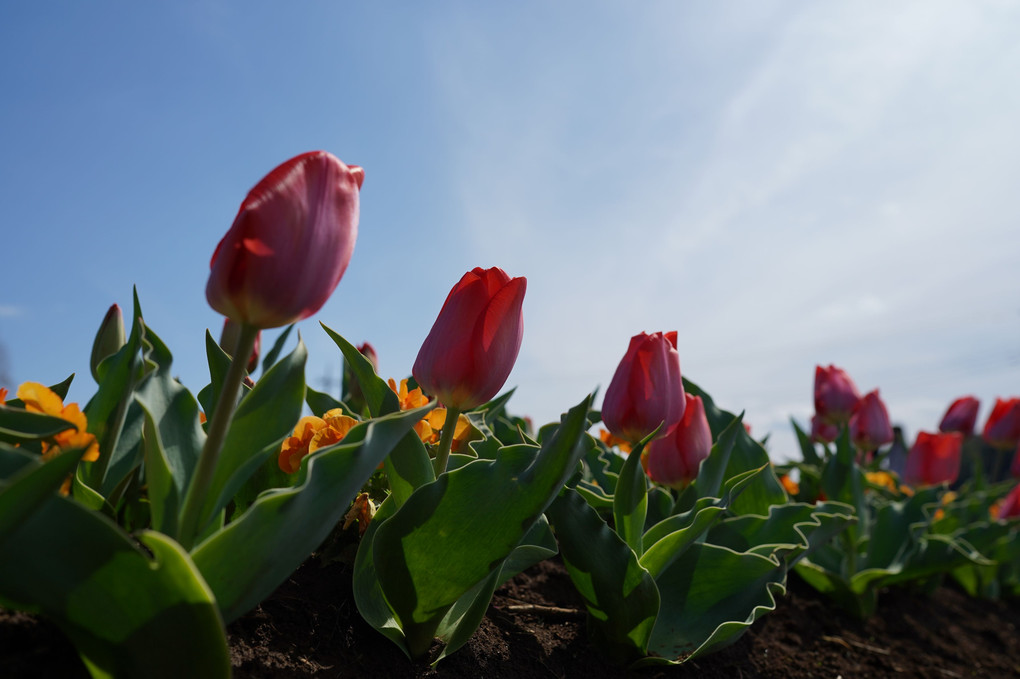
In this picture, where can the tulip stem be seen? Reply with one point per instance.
(446, 440)
(201, 480)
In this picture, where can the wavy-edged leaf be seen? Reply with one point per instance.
(283, 526)
(128, 613)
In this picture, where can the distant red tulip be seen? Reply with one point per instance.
(674, 459)
(933, 459)
(823, 432)
(1002, 429)
(961, 416)
(869, 425)
(646, 390)
(835, 394)
(368, 351)
(474, 342)
(1010, 506)
(228, 342)
(290, 243)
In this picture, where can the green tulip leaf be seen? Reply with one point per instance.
(408, 467)
(807, 446)
(128, 613)
(17, 426)
(621, 597)
(283, 526)
(710, 596)
(274, 353)
(32, 485)
(378, 396)
(630, 501)
(320, 403)
(452, 533)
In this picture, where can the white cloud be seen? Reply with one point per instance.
(9, 311)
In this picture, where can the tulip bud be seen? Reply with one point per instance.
(475, 340)
(835, 394)
(961, 416)
(674, 460)
(933, 459)
(290, 243)
(1002, 429)
(109, 338)
(229, 338)
(869, 424)
(368, 351)
(647, 390)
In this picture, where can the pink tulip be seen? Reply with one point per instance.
(674, 460)
(1002, 429)
(835, 394)
(961, 416)
(290, 243)
(869, 425)
(474, 342)
(933, 459)
(646, 391)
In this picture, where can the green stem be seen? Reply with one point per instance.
(201, 480)
(446, 440)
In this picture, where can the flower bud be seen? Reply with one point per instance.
(647, 390)
(109, 338)
(869, 425)
(290, 243)
(835, 394)
(1002, 429)
(475, 340)
(674, 459)
(933, 459)
(961, 416)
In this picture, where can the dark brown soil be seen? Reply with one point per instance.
(535, 628)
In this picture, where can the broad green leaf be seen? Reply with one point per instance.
(466, 614)
(378, 395)
(245, 561)
(368, 594)
(408, 467)
(620, 595)
(18, 425)
(452, 533)
(273, 354)
(710, 596)
(33, 485)
(219, 364)
(264, 418)
(128, 613)
(320, 403)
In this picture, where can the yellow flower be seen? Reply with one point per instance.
(39, 399)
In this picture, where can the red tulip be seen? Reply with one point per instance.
(869, 424)
(835, 394)
(474, 342)
(646, 391)
(674, 460)
(933, 459)
(823, 432)
(1002, 429)
(961, 416)
(290, 243)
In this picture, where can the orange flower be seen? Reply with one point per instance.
(39, 399)
(791, 486)
(312, 433)
(430, 426)
(611, 441)
(3, 395)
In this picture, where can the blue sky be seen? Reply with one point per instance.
(783, 183)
